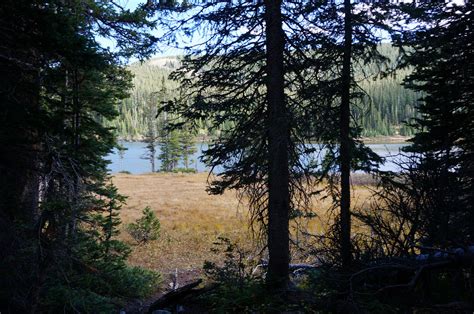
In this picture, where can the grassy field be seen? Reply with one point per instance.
(191, 220)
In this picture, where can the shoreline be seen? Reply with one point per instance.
(385, 139)
(389, 139)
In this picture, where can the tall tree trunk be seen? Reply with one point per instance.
(20, 149)
(76, 142)
(278, 140)
(20, 145)
(152, 158)
(345, 149)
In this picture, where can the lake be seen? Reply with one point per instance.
(133, 162)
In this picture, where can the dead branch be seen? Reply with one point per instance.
(174, 296)
(416, 278)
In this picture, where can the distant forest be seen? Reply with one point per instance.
(385, 111)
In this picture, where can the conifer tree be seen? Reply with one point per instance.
(242, 77)
(187, 145)
(348, 41)
(151, 137)
(345, 140)
(431, 196)
(58, 88)
(170, 151)
(442, 57)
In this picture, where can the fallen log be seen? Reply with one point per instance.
(173, 297)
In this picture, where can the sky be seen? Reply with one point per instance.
(169, 51)
(131, 5)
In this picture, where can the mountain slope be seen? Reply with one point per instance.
(390, 103)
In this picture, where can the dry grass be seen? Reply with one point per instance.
(191, 220)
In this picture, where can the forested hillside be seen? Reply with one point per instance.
(149, 78)
(389, 105)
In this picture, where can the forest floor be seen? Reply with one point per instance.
(192, 220)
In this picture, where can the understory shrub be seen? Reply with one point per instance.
(238, 289)
(146, 228)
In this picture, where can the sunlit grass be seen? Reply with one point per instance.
(191, 220)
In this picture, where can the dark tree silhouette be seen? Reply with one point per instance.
(58, 86)
(240, 80)
(442, 57)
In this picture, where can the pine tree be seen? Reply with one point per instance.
(350, 40)
(431, 197)
(187, 145)
(345, 137)
(151, 136)
(58, 88)
(443, 71)
(170, 151)
(278, 147)
(121, 152)
(242, 86)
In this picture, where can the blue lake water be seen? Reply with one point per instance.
(133, 162)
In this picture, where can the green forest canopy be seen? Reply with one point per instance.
(390, 103)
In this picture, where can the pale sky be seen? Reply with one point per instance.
(167, 51)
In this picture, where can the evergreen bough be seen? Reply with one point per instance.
(146, 228)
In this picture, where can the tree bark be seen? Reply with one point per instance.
(20, 146)
(20, 149)
(278, 140)
(345, 149)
